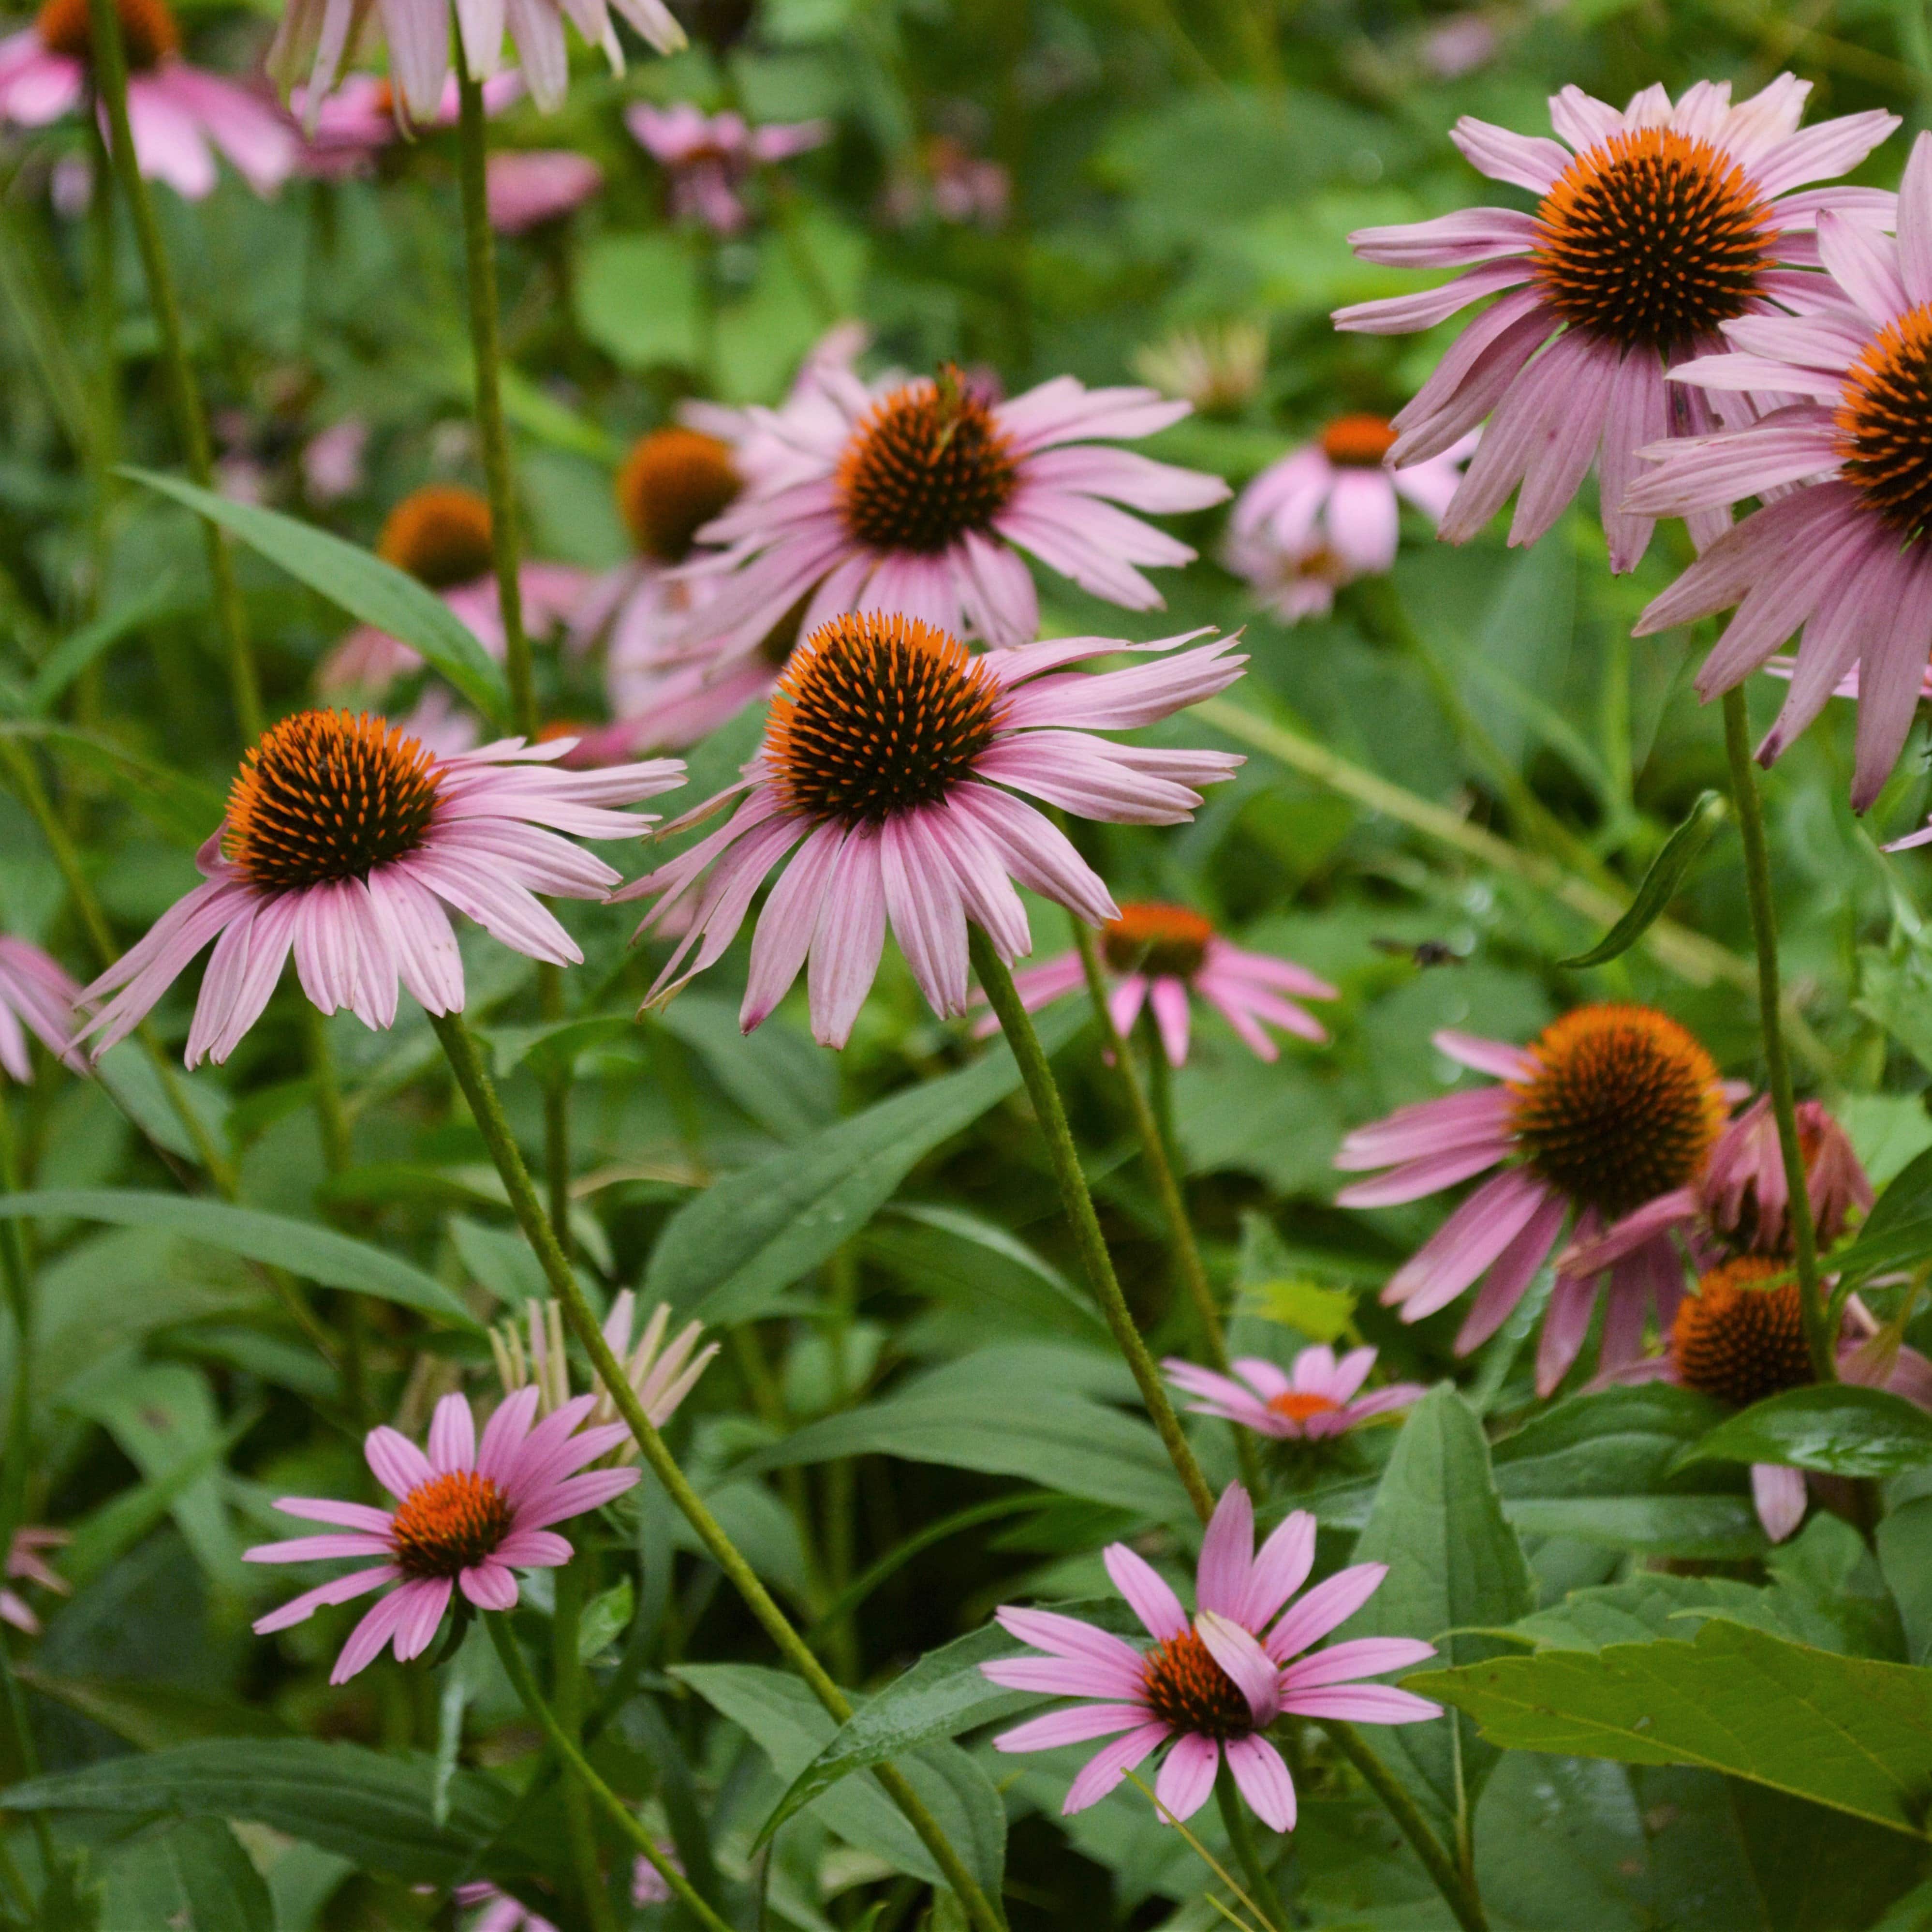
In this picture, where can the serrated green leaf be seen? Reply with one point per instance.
(1847, 1732)
(356, 581)
(1838, 1428)
(1661, 883)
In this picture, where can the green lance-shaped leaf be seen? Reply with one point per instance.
(1846, 1731)
(319, 1254)
(358, 582)
(1897, 1233)
(1838, 1428)
(1661, 883)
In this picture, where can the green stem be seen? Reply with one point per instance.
(1263, 1896)
(620, 1814)
(19, 1288)
(110, 76)
(27, 1751)
(1777, 1064)
(487, 1109)
(1458, 1888)
(566, 1695)
(1155, 1146)
(1017, 1025)
(479, 248)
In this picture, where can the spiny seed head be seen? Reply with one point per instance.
(1358, 442)
(325, 796)
(1650, 239)
(1624, 1105)
(1166, 942)
(927, 464)
(875, 716)
(672, 484)
(440, 535)
(148, 32)
(1741, 1337)
(1187, 1688)
(449, 1523)
(1884, 422)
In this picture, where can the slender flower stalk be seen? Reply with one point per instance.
(459, 1046)
(996, 979)
(1262, 1894)
(110, 74)
(566, 1690)
(1777, 1064)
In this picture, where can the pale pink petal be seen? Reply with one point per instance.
(1186, 1776)
(1263, 1780)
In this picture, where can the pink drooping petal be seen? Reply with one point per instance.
(1241, 1656)
(1104, 1770)
(1147, 1592)
(1227, 1554)
(1263, 1780)
(1079, 1725)
(1361, 1703)
(399, 1465)
(1186, 1777)
(1331, 1602)
(1065, 1636)
(1778, 1492)
(1473, 1237)
(1360, 1657)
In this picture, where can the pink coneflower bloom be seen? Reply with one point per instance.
(1163, 955)
(468, 1515)
(1609, 1107)
(1843, 556)
(25, 1564)
(1295, 583)
(1215, 1684)
(1664, 224)
(177, 112)
(440, 535)
(500, 1912)
(346, 840)
(889, 754)
(344, 131)
(1321, 1398)
(332, 460)
(37, 996)
(1335, 498)
(315, 35)
(918, 498)
(527, 187)
(709, 157)
(1740, 1203)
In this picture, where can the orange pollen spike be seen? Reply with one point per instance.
(1358, 442)
(148, 33)
(1297, 1406)
(927, 463)
(1884, 419)
(1741, 1337)
(1150, 936)
(449, 1523)
(1192, 1692)
(440, 535)
(672, 483)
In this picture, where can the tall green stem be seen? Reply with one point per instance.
(620, 1814)
(1017, 1025)
(110, 76)
(460, 1048)
(1240, 1835)
(18, 1279)
(1777, 1064)
(566, 1695)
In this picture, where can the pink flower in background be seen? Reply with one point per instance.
(181, 115)
(887, 760)
(1842, 558)
(500, 1912)
(1213, 1685)
(1165, 955)
(1330, 511)
(709, 157)
(529, 186)
(1609, 1107)
(315, 35)
(37, 996)
(348, 127)
(1321, 1398)
(346, 840)
(918, 498)
(468, 1515)
(26, 1564)
(331, 460)
(1664, 225)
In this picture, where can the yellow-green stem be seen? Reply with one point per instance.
(487, 1111)
(1262, 1893)
(566, 1698)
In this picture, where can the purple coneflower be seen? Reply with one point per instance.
(25, 1564)
(1843, 556)
(1664, 224)
(1166, 954)
(1212, 1686)
(886, 759)
(1319, 1398)
(1609, 1107)
(176, 111)
(918, 498)
(709, 157)
(1330, 511)
(527, 187)
(345, 840)
(468, 1516)
(38, 994)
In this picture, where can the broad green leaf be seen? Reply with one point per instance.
(371, 1806)
(1904, 1540)
(1661, 883)
(189, 1875)
(637, 298)
(1838, 1428)
(356, 581)
(1897, 1233)
(1455, 1568)
(1820, 1871)
(79, 649)
(729, 1253)
(1715, 1529)
(1848, 1732)
(319, 1254)
(606, 1617)
(784, 1080)
(152, 1717)
(786, 1722)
